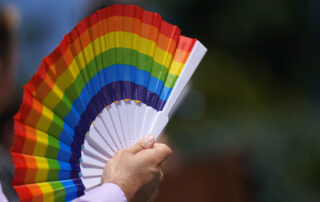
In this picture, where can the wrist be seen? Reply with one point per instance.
(128, 191)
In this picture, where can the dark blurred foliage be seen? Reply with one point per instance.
(256, 93)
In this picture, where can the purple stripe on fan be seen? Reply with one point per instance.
(79, 185)
(161, 104)
(104, 97)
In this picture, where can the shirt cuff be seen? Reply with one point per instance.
(107, 192)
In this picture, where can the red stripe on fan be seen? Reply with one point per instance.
(20, 168)
(24, 193)
(42, 77)
(37, 194)
(19, 137)
(186, 43)
(24, 109)
(30, 110)
(111, 11)
(184, 48)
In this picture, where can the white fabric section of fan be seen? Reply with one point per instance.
(117, 127)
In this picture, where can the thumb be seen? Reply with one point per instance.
(146, 142)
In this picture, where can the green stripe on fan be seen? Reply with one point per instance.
(53, 148)
(142, 62)
(59, 191)
(54, 169)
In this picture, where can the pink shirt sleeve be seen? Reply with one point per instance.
(107, 192)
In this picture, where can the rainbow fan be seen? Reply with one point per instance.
(113, 79)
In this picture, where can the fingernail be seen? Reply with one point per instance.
(149, 138)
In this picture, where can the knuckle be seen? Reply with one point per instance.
(110, 162)
(122, 152)
(165, 149)
(141, 145)
(116, 154)
(155, 171)
(119, 154)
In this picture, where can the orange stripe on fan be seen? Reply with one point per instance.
(130, 11)
(40, 83)
(36, 192)
(62, 64)
(32, 169)
(141, 29)
(44, 87)
(30, 110)
(181, 56)
(61, 58)
(30, 141)
(35, 113)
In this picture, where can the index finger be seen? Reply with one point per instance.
(162, 152)
(155, 155)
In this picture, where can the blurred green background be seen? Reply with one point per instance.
(256, 93)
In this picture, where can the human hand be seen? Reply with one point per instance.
(137, 170)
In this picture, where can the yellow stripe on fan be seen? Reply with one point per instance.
(45, 119)
(48, 192)
(43, 168)
(68, 76)
(176, 68)
(41, 145)
(55, 96)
